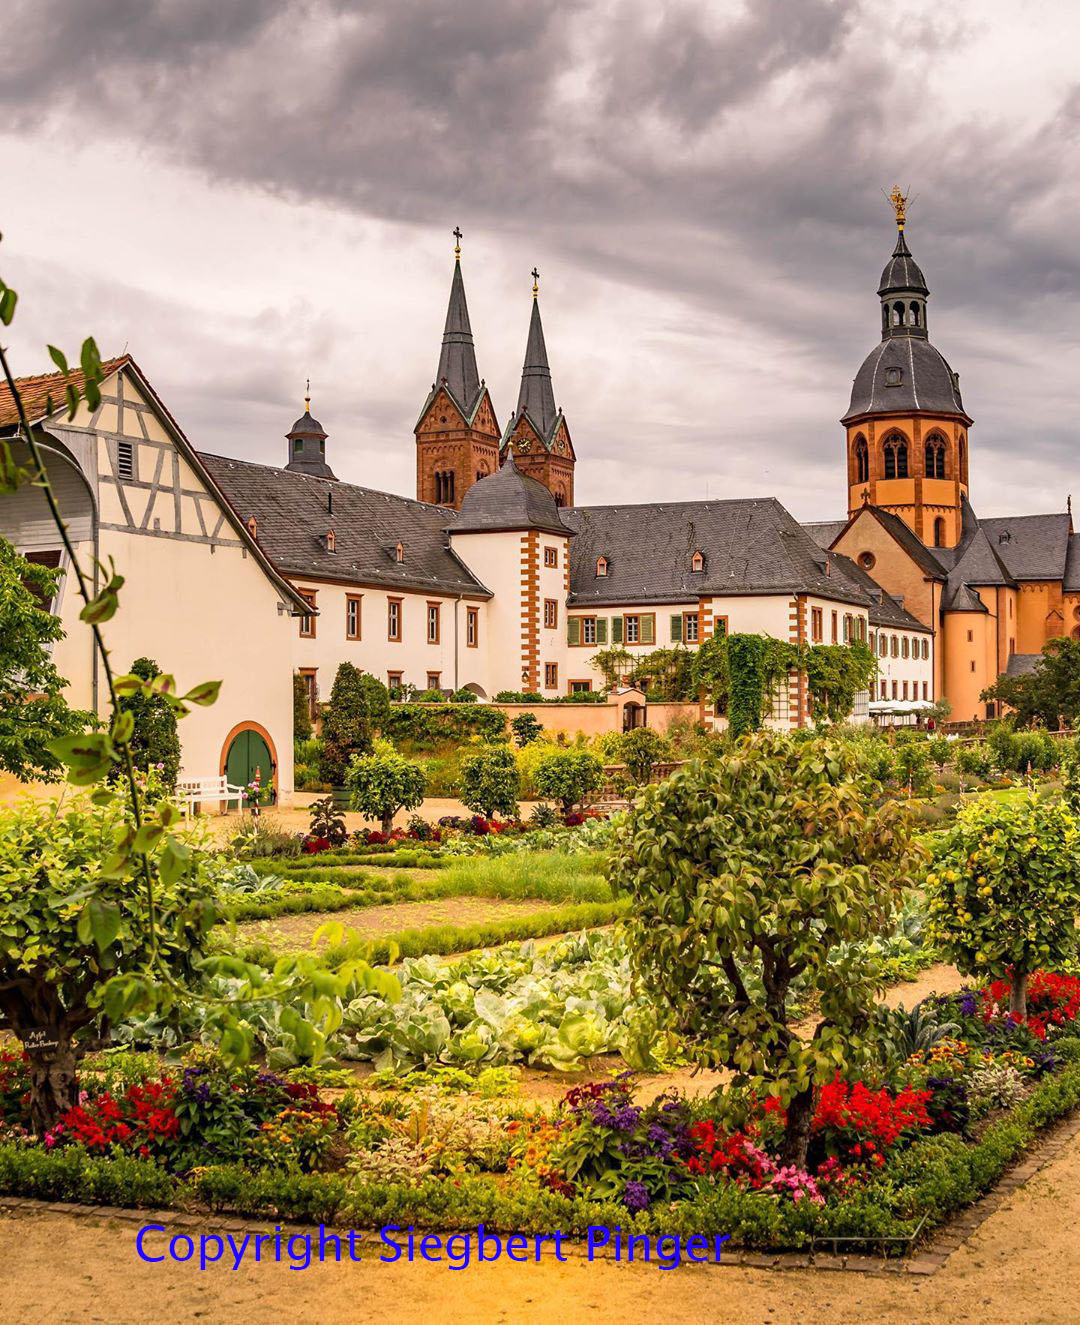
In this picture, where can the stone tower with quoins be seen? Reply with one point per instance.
(907, 429)
(536, 432)
(457, 435)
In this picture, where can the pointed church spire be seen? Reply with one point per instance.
(457, 359)
(536, 397)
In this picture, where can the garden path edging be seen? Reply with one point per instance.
(927, 1261)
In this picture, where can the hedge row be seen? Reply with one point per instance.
(443, 940)
(922, 1185)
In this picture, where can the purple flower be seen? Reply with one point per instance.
(635, 1195)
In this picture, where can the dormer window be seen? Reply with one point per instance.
(252, 527)
(601, 567)
(399, 553)
(331, 541)
(894, 376)
(697, 562)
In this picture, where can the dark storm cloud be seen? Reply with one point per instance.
(730, 157)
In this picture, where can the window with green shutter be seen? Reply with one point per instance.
(601, 630)
(616, 630)
(676, 627)
(573, 630)
(648, 629)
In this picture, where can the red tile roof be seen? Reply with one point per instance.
(35, 391)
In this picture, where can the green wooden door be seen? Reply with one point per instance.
(248, 753)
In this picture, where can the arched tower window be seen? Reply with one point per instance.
(862, 460)
(601, 566)
(934, 466)
(560, 496)
(896, 456)
(962, 449)
(939, 532)
(914, 314)
(697, 562)
(898, 314)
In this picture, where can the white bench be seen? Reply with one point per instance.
(197, 791)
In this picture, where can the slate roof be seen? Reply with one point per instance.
(974, 563)
(457, 357)
(1072, 565)
(926, 382)
(1033, 547)
(902, 272)
(536, 398)
(750, 546)
(293, 518)
(825, 532)
(507, 499)
(928, 561)
(1021, 664)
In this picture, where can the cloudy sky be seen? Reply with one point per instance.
(243, 194)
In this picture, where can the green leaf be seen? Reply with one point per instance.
(8, 300)
(123, 728)
(204, 694)
(175, 858)
(87, 757)
(59, 358)
(105, 922)
(101, 608)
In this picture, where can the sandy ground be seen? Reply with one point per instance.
(373, 921)
(1021, 1267)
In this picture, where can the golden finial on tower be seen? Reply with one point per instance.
(536, 282)
(307, 397)
(899, 203)
(457, 242)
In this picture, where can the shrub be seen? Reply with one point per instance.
(745, 870)
(358, 703)
(155, 741)
(641, 750)
(1005, 890)
(569, 777)
(420, 727)
(489, 781)
(326, 823)
(526, 727)
(463, 696)
(383, 783)
(301, 725)
(975, 760)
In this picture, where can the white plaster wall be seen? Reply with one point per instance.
(374, 651)
(495, 560)
(915, 671)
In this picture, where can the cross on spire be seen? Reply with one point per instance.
(536, 282)
(457, 241)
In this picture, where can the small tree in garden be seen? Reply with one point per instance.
(568, 777)
(358, 705)
(33, 711)
(1070, 777)
(155, 739)
(489, 781)
(71, 923)
(746, 873)
(527, 728)
(641, 750)
(940, 751)
(382, 783)
(301, 709)
(1005, 890)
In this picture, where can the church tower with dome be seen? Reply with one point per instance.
(907, 429)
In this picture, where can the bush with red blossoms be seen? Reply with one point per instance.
(1053, 1003)
(142, 1121)
(14, 1085)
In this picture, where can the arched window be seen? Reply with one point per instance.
(896, 456)
(601, 566)
(884, 317)
(862, 460)
(962, 449)
(252, 527)
(939, 532)
(331, 541)
(697, 562)
(935, 456)
(399, 553)
(898, 314)
(914, 314)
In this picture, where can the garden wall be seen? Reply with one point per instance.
(594, 719)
